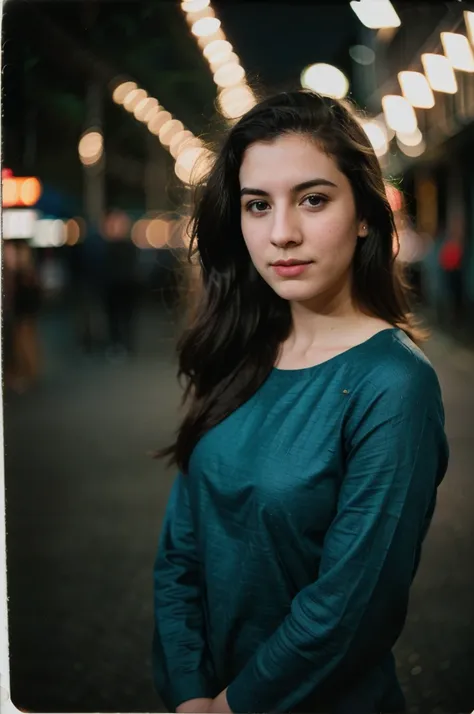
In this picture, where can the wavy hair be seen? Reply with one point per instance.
(237, 323)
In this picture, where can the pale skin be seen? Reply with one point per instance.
(281, 219)
(318, 222)
(219, 704)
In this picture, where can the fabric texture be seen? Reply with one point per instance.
(287, 553)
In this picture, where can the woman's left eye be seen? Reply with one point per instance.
(314, 201)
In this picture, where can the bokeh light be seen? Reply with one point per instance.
(194, 5)
(91, 147)
(169, 130)
(122, 91)
(229, 74)
(159, 120)
(133, 99)
(157, 232)
(193, 164)
(235, 101)
(326, 80)
(206, 27)
(377, 136)
(399, 113)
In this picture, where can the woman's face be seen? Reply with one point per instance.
(297, 205)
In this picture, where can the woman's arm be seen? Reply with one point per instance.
(354, 612)
(182, 667)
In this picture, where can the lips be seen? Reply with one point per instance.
(290, 271)
(288, 263)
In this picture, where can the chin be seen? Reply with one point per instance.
(296, 293)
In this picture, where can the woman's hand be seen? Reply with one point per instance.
(193, 706)
(219, 704)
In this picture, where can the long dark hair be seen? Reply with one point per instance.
(237, 322)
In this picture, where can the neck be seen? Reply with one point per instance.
(320, 320)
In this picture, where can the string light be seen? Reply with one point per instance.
(228, 74)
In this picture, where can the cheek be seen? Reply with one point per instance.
(336, 232)
(253, 238)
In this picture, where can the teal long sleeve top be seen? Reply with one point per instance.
(288, 550)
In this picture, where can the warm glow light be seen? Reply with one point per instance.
(10, 192)
(469, 20)
(20, 191)
(206, 27)
(229, 75)
(193, 142)
(376, 14)
(325, 79)
(217, 49)
(193, 17)
(122, 91)
(230, 58)
(439, 73)
(192, 164)
(73, 232)
(178, 142)
(380, 118)
(168, 130)
(91, 148)
(116, 225)
(412, 151)
(377, 136)
(153, 114)
(30, 191)
(413, 139)
(234, 102)
(138, 234)
(155, 124)
(416, 90)
(458, 51)
(399, 113)
(133, 99)
(204, 41)
(157, 232)
(194, 5)
(145, 109)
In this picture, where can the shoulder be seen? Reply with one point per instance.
(394, 377)
(393, 361)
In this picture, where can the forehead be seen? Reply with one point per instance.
(285, 162)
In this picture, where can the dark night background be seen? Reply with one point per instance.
(85, 501)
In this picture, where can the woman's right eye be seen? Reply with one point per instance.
(257, 206)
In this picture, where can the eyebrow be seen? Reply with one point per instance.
(296, 189)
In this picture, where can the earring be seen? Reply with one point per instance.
(365, 231)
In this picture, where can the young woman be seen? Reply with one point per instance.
(313, 444)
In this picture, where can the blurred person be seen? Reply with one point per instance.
(88, 283)
(450, 260)
(26, 305)
(52, 275)
(412, 251)
(120, 295)
(313, 444)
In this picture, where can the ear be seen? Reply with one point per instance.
(363, 231)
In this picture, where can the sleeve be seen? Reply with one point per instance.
(396, 456)
(182, 667)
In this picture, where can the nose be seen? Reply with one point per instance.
(285, 228)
